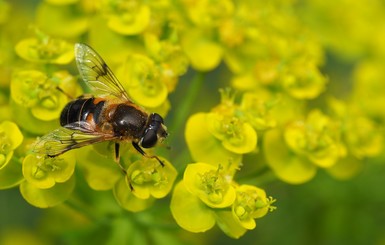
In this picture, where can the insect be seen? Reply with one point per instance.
(109, 116)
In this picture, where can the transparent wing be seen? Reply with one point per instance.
(71, 136)
(95, 72)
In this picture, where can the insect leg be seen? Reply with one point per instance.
(117, 153)
(141, 151)
(117, 157)
(117, 160)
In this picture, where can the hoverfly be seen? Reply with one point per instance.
(111, 116)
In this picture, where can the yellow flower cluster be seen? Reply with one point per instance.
(282, 109)
(208, 195)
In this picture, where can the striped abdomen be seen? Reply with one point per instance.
(78, 110)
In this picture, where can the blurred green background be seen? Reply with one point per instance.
(322, 211)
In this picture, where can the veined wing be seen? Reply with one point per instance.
(72, 136)
(95, 72)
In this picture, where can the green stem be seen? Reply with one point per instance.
(16, 159)
(81, 208)
(185, 106)
(181, 159)
(49, 69)
(260, 179)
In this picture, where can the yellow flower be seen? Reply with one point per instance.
(126, 17)
(204, 190)
(148, 178)
(44, 173)
(44, 49)
(10, 139)
(211, 184)
(251, 203)
(287, 166)
(236, 136)
(143, 81)
(317, 138)
(203, 145)
(201, 49)
(62, 18)
(34, 90)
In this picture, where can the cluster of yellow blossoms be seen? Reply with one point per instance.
(275, 112)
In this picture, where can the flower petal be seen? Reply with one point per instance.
(189, 211)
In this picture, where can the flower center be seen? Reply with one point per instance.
(45, 166)
(214, 184)
(5, 145)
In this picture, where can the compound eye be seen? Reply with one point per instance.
(157, 118)
(149, 139)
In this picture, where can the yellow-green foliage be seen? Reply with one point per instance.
(279, 111)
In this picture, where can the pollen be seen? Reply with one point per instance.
(214, 184)
(38, 173)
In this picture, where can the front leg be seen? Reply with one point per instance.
(117, 157)
(117, 152)
(117, 160)
(141, 151)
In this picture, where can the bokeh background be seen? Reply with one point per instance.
(324, 210)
